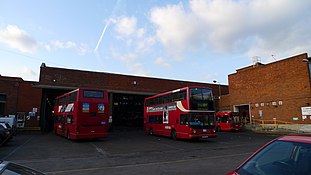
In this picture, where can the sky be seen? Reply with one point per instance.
(195, 40)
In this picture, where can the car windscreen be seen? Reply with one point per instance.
(280, 157)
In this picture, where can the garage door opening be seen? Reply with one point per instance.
(244, 110)
(128, 110)
(47, 107)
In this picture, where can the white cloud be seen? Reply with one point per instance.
(17, 38)
(83, 49)
(63, 45)
(29, 73)
(130, 60)
(126, 26)
(131, 57)
(145, 44)
(127, 58)
(80, 48)
(161, 62)
(138, 69)
(175, 28)
(234, 26)
(133, 37)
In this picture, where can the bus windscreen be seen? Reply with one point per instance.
(93, 94)
(201, 99)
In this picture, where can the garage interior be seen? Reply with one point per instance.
(128, 110)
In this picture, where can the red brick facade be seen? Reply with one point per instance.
(58, 77)
(20, 97)
(276, 90)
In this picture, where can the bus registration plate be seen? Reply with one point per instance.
(204, 130)
(204, 137)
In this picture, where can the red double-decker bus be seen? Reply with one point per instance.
(186, 113)
(228, 121)
(82, 114)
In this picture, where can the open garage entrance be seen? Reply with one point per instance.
(128, 109)
(244, 110)
(47, 107)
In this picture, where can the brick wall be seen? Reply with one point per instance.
(20, 97)
(28, 99)
(9, 86)
(278, 89)
(51, 76)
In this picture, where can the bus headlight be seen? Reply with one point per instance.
(194, 131)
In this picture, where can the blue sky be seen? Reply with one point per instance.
(196, 40)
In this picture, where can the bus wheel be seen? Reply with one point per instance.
(173, 134)
(68, 135)
(151, 131)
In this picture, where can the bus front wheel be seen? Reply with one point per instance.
(173, 134)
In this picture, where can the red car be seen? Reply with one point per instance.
(286, 155)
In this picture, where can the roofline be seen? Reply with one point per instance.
(127, 75)
(109, 90)
(275, 62)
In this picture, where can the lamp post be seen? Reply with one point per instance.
(219, 90)
(219, 93)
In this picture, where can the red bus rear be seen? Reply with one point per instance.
(186, 113)
(82, 114)
(228, 121)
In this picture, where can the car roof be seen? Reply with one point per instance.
(297, 138)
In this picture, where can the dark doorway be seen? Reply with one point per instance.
(244, 110)
(2, 107)
(2, 104)
(47, 107)
(128, 110)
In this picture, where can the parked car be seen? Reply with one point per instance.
(5, 135)
(8, 127)
(16, 169)
(286, 155)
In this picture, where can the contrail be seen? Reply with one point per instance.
(107, 24)
(102, 35)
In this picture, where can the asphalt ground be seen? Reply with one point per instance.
(129, 151)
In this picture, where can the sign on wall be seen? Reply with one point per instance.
(306, 110)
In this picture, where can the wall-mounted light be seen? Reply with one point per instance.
(134, 83)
